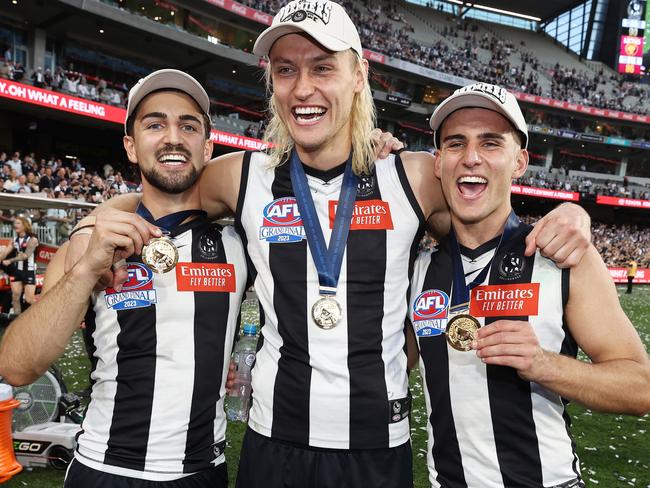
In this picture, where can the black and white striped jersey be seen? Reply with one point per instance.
(159, 352)
(20, 244)
(488, 428)
(346, 387)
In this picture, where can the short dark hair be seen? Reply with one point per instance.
(130, 121)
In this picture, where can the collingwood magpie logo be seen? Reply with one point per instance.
(511, 267)
(366, 185)
(209, 244)
(299, 11)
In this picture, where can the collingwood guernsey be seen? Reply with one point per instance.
(488, 428)
(159, 352)
(345, 387)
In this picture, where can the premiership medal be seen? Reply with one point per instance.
(326, 312)
(461, 331)
(160, 255)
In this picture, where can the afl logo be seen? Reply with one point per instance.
(139, 277)
(283, 212)
(431, 304)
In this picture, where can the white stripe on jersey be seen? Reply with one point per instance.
(554, 445)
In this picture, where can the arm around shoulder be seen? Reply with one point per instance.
(220, 181)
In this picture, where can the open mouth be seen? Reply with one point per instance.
(471, 186)
(173, 159)
(308, 114)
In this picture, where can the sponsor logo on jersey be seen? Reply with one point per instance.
(282, 221)
(430, 312)
(137, 292)
(505, 300)
(367, 215)
(206, 277)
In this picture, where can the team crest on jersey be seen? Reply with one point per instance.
(282, 221)
(137, 292)
(365, 185)
(512, 266)
(430, 311)
(209, 244)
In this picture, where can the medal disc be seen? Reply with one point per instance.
(461, 331)
(326, 313)
(160, 255)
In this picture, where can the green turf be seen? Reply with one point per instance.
(614, 450)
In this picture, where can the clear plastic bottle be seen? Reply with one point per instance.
(243, 358)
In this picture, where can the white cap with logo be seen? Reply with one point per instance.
(481, 95)
(167, 79)
(326, 22)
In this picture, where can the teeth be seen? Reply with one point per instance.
(172, 157)
(472, 179)
(309, 110)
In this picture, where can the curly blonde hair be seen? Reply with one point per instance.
(362, 121)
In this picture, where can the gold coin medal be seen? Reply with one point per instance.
(160, 255)
(461, 331)
(326, 312)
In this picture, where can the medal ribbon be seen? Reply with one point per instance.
(166, 222)
(328, 260)
(460, 289)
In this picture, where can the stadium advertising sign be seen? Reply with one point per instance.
(59, 101)
(87, 108)
(619, 275)
(243, 11)
(623, 202)
(404, 102)
(530, 191)
(631, 53)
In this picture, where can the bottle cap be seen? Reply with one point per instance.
(250, 329)
(6, 392)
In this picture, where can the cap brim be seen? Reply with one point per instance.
(266, 39)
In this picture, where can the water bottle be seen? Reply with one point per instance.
(243, 358)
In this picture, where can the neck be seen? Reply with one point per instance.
(474, 234)
(325, 157)
(161, 203)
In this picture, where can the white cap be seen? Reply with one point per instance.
(167, 78)
(481, 95)
(326, 22)
(6, 392)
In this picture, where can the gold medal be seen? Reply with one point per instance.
(160, 255)
(461, 331)
(326, 313)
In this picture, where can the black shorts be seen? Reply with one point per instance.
(26, 277)
(81, 476)
(270, 463)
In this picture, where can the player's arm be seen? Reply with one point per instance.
(618, 377)
(428, 191)
(220, 181)
(39, 335)
(5, 251)
(412, 350)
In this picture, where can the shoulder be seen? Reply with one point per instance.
(411, 158)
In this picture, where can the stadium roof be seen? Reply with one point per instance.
(545, 10)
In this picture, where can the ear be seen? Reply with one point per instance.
(129, 147)
(437, 164)
(522, 163)
(207, 150)
(361, 75)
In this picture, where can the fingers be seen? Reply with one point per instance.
(384, 143)
(104, 281)
(531, 246)
(230, 380)
(120, 276)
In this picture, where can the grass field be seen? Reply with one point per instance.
(614, 450)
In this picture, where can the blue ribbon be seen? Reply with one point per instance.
(460, 289)
(327, 259)
(167, 222)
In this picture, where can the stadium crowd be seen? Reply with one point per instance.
(384, 30)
